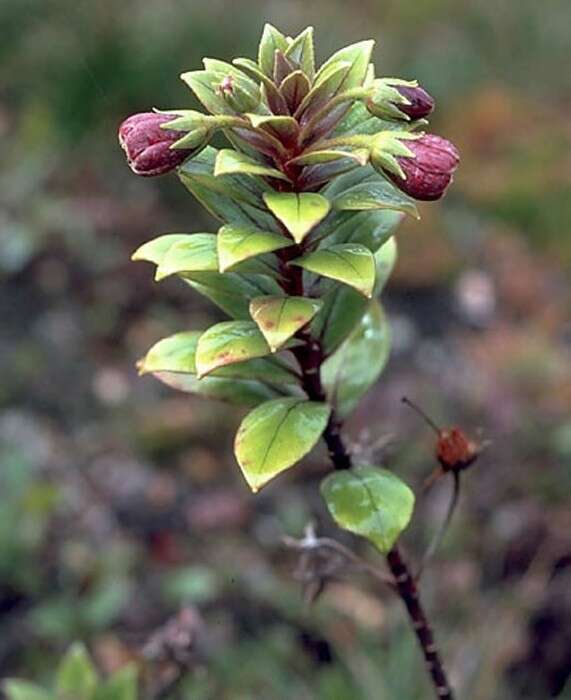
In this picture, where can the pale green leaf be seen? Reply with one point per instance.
(23, 690)
(237, 243)
(195, 253)
(360, 156)
(369, 501)
(285, 128)
(358, 56)
(301, 51)
(121, 686)
(298, 212)
(230, 162)
(349, 263)
(227, 343)
(206, 86)
(354, 368)
(385, 259)
(279, 318)
(272, 40)
(76, 678)
(154, 251)
(276, 435)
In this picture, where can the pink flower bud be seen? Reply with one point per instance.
(421, 102)
(429, 171)
(148, 147)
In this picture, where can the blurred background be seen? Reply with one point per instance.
(124, 521)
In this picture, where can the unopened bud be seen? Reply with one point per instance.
(148, 147)
(420, 166)
(399, 100)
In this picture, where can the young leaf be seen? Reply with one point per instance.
(349, 263)
(195, 253)
(276, 435)
(76, 677)
(294, 88)
(299, 213)
(206, 86)
(227, 343)
(322, 91)
(376, 194)
(369, 501)
(301, 52)
(23, 690)
(282, 127)
(121, 686)
(360, 156)
(355, 367)
(230, 162)
(358, 56)
(155, 250)
(272, 41)
(279, 318)
(237, 243)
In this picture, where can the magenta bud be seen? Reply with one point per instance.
(148, 147)
(421, 103)
(430, 171)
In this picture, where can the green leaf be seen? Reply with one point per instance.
(195, 253)
(360, 156)
(358, 56)
(282, 127)
(342, 309)
(272, 41)
(227, 343)
(177, 354)
(155, 250)
(355, 367)
(240, 392)
(369, 228)
(276, 435)
(232, 291)
(76, 677)
(238, 243)
(349, 263)
(279, 318)
(376, 194)
(206, 86)
(369, 501)
(23, 690)
(302, 52)
(230, 162)
(328, 86)
(385, 259)
(299, 213)
(121, 686)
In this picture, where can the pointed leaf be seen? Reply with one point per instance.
(285, 128)
(279, 318)
(237, 243)
(23, 690)
(369, 501)
(76, 676)
(156, 249)
(294, 88)
(276, 435)
(230, 162)
(302, 52)
(299, 213)
(343, 308)
(121, 686)
(355, 367)
(376, 194)
(195, 253)
(272, 41)
(385, 259)
(349, 263)
(227, 343)
(369, 228)
(206, 86)
(358, 56)
(322, 91)
(359, 155)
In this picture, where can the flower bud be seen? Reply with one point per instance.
(399, 100)
(420, 166)
(148, 146)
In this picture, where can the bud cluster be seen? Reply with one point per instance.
(311, 125)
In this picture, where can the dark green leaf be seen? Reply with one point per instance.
(376, 194)
(276, 435)
(369, 501)
(232, 291)
(355, 367)
(295, 87)
(279, 318)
